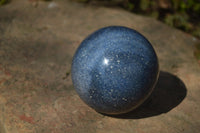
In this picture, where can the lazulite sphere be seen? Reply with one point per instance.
(114, 70)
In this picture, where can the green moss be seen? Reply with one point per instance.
(2, 2)
(175, 4)
(144, 5)
(169, 19)
(196, 8)
(178, 20)
(154, 14)
(130, 6)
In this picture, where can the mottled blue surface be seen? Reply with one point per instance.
(114, 70)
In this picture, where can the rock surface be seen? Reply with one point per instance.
(37, 43)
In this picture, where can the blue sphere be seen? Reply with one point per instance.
(114, 70)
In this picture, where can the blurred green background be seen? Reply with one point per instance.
(181, 14)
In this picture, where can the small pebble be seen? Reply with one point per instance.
(52, 5)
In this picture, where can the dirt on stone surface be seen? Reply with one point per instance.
(37, 43)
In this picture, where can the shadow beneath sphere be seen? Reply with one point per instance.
(168, 93)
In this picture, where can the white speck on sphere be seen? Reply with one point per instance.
(124, 99)
(105, 61)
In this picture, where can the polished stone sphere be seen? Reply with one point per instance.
(114, 70)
